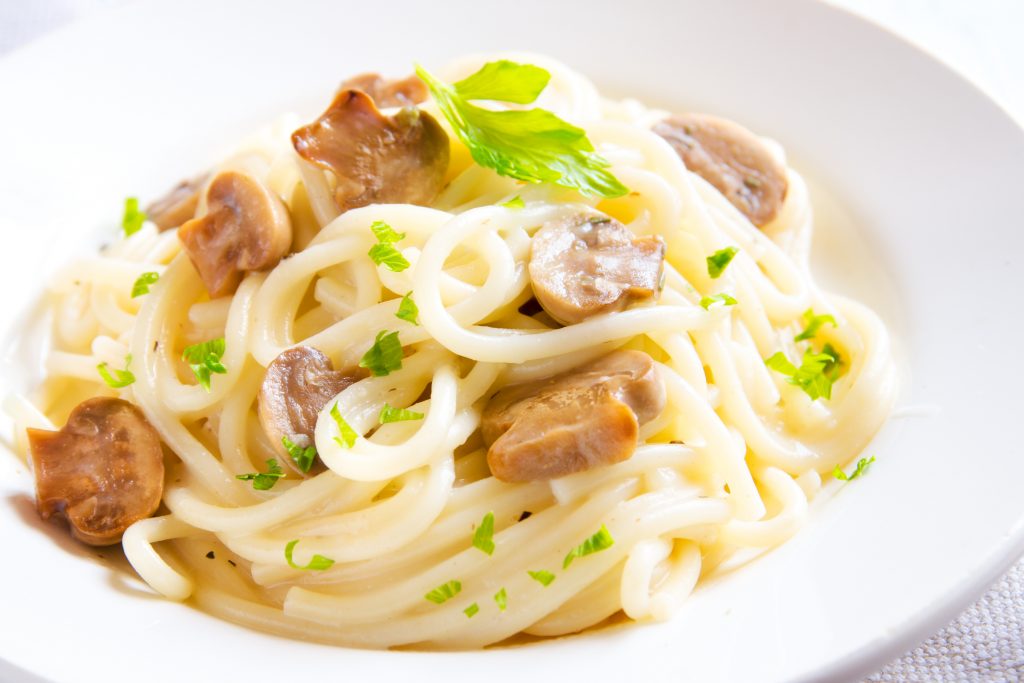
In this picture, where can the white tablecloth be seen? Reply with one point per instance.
(984, 40)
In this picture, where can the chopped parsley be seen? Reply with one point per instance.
(814, 323)
(532, 145)
(501, 599)
(814, 375)
(724, 299)
(385, 234)
(204, 359)
(391, 414)
(471, 611)
(114, 378)
(264, 481)
(602, 540)
(317, 564)
(132, 220)
(514, 203)
(303, 457)
(385, 356)
(720, 260)
(384, 252)
(444, 592)
(483, 537)
(542, 577)
(143, 282)
(348, 435)
(408, 311)
(862, 466)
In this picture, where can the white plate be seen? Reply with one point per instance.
(928, 170)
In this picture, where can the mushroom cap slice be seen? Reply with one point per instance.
(731, 158)
(388, 92)
(246, 227)
(178, 205)
(581, 419)
(376, 159)
(296, 387)
(103, 471)
(589, 264)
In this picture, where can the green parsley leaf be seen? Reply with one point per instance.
(318, 563)
(862, 467)
(724, 299)
(204, 359)
(444, 592)
(811, 376)
(117, 379)
(532, 145)
(143, 282)
(471, 611)
(720, 260)
(504, 81)
(385, 233)
(483, 537)
(348, 435)
(132, 220)
(264, 481)
(501, 598)
(303, 457)
(385, 356)
(543, 577)
(602, 540)
(391, 414)
(408, 311)
(515, 203)
(814, 323)
(833, 370)
(386, 255)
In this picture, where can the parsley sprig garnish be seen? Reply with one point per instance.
(407, 310)
(483, 537)
(143, 283)
(444, 592)
(814, 323)
(601, 540)
(391, 414)
(204, 359)
(384, 253)
(815, 374)
(720, 260)
(385, 356)
(348, 435)
(861, 468)
(114, 378)
(532, 145)
(132, 219)
(318, 563)
(542, 576)
(264, 481)
(724, 299)
(303, 457)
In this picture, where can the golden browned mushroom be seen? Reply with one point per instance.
(296, 387)
(103, 471)
(376, 159)
(589, 264)
(246, 227)
(581, 419)
(388, 92)
(178, 205)
(732, 159)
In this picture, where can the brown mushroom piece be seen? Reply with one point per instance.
(376, 159)
(589, 264)
(402, 92)
(731, 158)
(178, 205)
(246, 227)
(582, 419)
(296, 387)
(103, 471)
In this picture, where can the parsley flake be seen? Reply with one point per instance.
(725, 299)
(385, 356)
(483, 537)
(391, 414)
(407, 310)
(532, 145)
(117, 379)
(318, 563)
(132, 220)
(385, 234)
(602, 540)
(303, 457)
(862, 467)
(514, 203)
(384, 253)
(720, 260)
(348, 435)
(471, 611)
(444, 592)
(264, 481)
(501, 598)
(204, 359)
(814, 323)
(542, 577)
(813, 375)
(143, 282)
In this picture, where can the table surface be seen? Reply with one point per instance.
(982, 40)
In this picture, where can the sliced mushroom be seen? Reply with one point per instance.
(245, 228)
(388, 92)
(296, 387)
(103, 471)
(731, 158)
(581, 419)
(178, 205)
(376, 159)
(589, 264)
